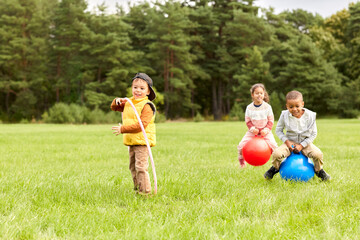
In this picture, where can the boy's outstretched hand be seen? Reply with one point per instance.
(119, 101)
(117, 129)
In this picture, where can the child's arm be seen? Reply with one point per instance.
(279, 130)
(118, 104)
(312, 136)
(269, 125)
(249, 124)
(145, 117)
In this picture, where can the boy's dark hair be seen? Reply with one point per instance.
(294, 95)
(260, 85)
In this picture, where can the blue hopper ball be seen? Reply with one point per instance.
(297, 167)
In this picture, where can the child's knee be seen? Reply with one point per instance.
(239, 147)
(277, 154)
(317, 156)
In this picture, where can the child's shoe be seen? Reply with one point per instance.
(270, 173)
(323, 175)
(242, 163)
(144, 194)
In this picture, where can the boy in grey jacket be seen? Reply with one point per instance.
(300, 126)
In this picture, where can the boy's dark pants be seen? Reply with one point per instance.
(139, 168)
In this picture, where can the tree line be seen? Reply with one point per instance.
(202, 55)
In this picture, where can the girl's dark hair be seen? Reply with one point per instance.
(257, 85)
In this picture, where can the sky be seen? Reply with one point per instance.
(324, 7)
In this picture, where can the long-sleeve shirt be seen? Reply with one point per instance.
(145, 117)
(301, 130)
(259, 117)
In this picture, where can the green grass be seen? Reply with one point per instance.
(73, 182)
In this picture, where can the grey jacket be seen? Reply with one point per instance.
(303, 137)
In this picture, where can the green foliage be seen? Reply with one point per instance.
(277, 103)
(202, 55)
(59, 113)
(24, 105)
(326, 42)
(198, 117)
(79, 113)
(351, 100)
(309, 73)
(255, 70)
(63, 113)
(302, 20)
(237, 112)
(160, 117)
(24, 121)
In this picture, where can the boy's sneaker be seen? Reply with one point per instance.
(323, 175)
(270, 173)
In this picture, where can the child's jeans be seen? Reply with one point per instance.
(269, 138)
(139, 168)
(310, 151)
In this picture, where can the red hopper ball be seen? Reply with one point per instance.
(256, 152)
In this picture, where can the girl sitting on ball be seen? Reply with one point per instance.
(259, 119)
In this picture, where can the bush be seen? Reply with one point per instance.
(160, 117)
(275, 102)
(97, 116)
(198, 117)
(63, 113)
(237, 113)
(59, 113)
(77, 112)
(350, 113)
(24, 121)
(113, 117)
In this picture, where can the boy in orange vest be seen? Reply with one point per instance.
(143, 94)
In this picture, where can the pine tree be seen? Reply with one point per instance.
(310, 74)
(302, 20)
(23, 57)
(216, 56)
(353, 41)
(245, 65)
(107, 58)
(351, 88)
(255, 70)
(169, 52)
(69, 23)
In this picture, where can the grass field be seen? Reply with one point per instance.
(73, 182)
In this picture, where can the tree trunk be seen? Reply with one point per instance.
(192, 103)
(166, 83)
(58, 73)
(220, 100)
(214, 100)
(217, 103)
(7, 101)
